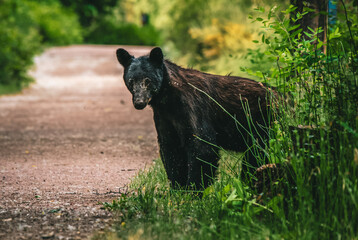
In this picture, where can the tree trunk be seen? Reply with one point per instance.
(314, 20)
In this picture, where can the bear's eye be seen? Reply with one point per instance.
(145, 83)
(130, 82)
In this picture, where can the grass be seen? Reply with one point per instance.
(324, 206)
(11, 88)
(320, 202)
(154, 211)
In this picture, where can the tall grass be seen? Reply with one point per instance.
(316, 136)
(321, 125)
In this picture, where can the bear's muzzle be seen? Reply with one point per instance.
(140, 101)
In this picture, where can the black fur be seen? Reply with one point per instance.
(184, 112)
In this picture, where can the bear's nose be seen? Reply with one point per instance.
(140, 104)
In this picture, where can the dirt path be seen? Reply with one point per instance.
(71, 140)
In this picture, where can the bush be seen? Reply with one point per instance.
(318, 131)
(20, 41)
(56, 24)
(89, 11)
(107, 32)
(208, 35)
(24, 27)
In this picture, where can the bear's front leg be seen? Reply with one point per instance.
(174, 162)
(202, 161)
(172, 153)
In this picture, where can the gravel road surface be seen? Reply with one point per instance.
(71, 140)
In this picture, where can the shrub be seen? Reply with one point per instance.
(20, 41)
(107, 32)
(24, 27)
(56, 24)
(88, 11)
(318, 131)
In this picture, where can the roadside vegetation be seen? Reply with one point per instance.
(312, 190)
(202, 34)
(26, 28)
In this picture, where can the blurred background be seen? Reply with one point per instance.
(217, 36)
(209, 35)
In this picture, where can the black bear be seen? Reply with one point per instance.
(194, 112)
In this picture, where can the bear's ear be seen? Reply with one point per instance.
(124, 57)
(156, 55)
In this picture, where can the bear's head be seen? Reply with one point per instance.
(143, 76)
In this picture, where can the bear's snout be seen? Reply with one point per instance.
(139, 104)
(140, 101)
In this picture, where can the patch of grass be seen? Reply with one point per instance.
(226, 210)
(9, 89)
(14, 88)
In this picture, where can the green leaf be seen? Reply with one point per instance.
(298, 15)
(293, 27)
(313, 31)
(307, 10)
(320, 43)
(208, 191)
(335, 34)
(290, 9)
(308, 34)
(295, 33)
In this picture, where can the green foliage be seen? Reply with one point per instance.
(89, 11)
(20, 41)
(118, 26)
(153, 210)
(25, 26)
(56, 24)
(303, 68)
(185, 16)
(208, 35)
(107, 32)
(317, 131)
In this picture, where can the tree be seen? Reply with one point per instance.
(89, 10)
(315, 18)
